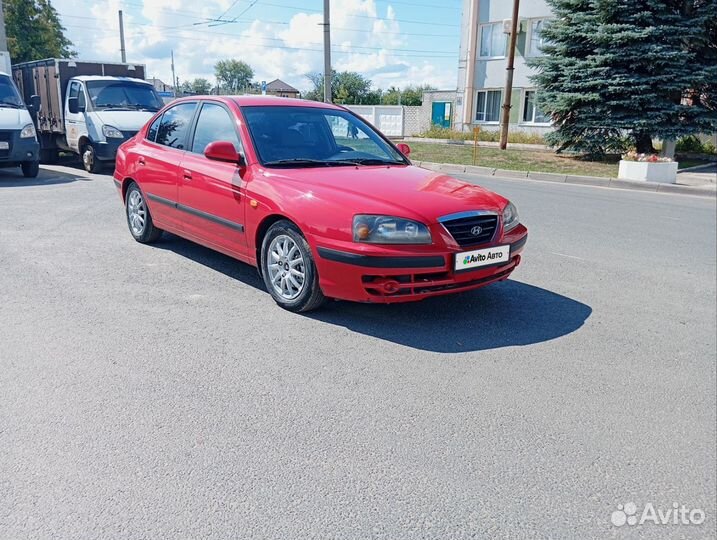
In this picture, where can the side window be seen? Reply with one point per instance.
(74, 89)
(172, 130)
(214, 124)
(152, 131)
(81, 102)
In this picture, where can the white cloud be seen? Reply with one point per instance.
(287, 51)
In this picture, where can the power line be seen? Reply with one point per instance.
(433, 51)
(399, 52)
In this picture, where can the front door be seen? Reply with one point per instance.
(441, 114)
(211, 193)
(158, 163)
(75, 123)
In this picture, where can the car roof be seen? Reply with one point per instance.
(266, 101)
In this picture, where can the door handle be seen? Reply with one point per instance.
(187, 175)
(140, 160)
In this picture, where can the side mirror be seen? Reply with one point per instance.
(404, 149)
(73, 106)
(35, 103)
(223, 151)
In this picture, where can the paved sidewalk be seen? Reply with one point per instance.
(689, 182)
(703, 175)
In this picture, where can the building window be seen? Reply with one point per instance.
(531, 113)
(537, 42)
(492, 40)
(488, 106)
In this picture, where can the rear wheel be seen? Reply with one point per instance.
(139, 220)
(30, 169)
(288, 268)
(89, 160)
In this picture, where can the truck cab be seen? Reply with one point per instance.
(101, 113)
(18, 142)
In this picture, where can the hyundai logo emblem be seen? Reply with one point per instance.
(475, 231)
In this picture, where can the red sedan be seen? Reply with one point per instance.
(321, 202)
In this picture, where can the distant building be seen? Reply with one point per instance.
(160, 86)
(277, 87)
(485, 30)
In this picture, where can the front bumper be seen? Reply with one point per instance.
(404, 277)
(107, 150)
(19, 149)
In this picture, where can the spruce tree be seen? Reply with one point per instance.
(640, 69)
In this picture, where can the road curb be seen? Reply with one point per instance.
(614, 183)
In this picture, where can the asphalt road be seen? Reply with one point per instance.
(158, 392)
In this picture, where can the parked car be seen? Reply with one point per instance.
(18, 142)
(321, 202)
(85, 108)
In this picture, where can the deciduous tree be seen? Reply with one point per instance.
(34, 31)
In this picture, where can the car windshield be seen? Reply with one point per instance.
(8, 94)
(123, 95)
(286, 136)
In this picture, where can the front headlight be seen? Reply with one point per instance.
(510, 217)
(112, 132)
(27, 132)
(389, 230)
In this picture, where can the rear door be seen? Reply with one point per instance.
(158, 161)
(211, 192)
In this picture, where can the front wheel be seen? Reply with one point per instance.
(30, 169)
(288, 268)
(89, 160)
(139, 220)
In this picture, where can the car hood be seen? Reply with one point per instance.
(13, 118)
(124, 120)
(406, 191)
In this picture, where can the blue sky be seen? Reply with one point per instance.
(391, 42)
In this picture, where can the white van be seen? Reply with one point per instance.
(18, 141)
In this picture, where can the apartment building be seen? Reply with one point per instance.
(485, 32)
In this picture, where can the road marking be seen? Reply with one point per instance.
(568, 256)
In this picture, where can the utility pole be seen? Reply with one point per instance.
(508, 92)
(3, 36)
(5, 61)
(327, 53)
(174, 78)
(122, 49)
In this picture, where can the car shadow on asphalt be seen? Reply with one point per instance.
(505, 314)
(12, 177)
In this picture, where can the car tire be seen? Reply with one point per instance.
(139, 220)
(288, 268)
(89, 160)
(30, 169)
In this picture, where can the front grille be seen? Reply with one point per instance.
(6, 136)
(129, 134)
(462, 229)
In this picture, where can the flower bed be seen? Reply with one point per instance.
(647, 167)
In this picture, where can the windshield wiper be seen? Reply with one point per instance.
(367, 161)
(10, 105)
(304, 162)
(112, 106)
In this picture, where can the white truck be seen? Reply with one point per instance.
(18, 143)
(88, 108)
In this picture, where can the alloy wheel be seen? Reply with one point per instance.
(287, 270)
(136, 212)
